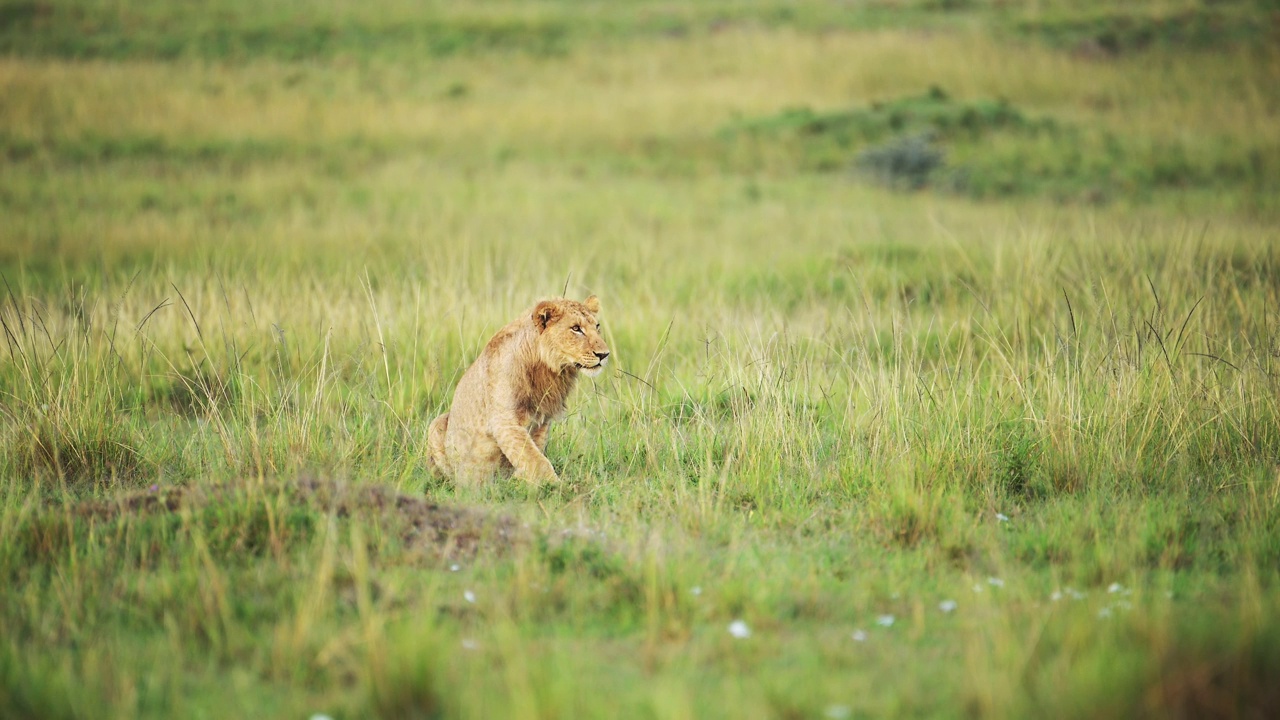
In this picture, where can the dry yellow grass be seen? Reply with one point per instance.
(604, 96)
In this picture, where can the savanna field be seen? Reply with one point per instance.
(946, 373)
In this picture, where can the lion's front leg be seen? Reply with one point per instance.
(539, 435)
(525, 456)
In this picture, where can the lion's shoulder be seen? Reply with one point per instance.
(505, 340)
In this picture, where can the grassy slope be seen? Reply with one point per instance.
(236, 265)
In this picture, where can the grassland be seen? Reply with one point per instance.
(993, 435)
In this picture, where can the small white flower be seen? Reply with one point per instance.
(1056, 596)
(695, 590)
(1002, 517)
(1115, 588)
(860, 635)
(739, 629)
(995, 582)
(469, 644)
(837, 712)
(320, 716)
(1104, 612)
(455, 567)
(885, 621)
(977, 587)
(469, 596)
(947, 606)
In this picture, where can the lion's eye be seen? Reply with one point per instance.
(577, 329)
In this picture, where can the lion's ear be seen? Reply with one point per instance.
(547, 312)
(592, 303)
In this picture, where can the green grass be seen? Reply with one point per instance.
(244, 268)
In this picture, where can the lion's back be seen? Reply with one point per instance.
(475, 399)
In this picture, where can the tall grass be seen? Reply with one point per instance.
(236, 293)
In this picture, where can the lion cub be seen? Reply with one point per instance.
(507, 399)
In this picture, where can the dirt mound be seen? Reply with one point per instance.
(424, 526)
(427, 525)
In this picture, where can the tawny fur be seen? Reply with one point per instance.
(505, 402)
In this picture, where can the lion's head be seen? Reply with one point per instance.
(569, 335)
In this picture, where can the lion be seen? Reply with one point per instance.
(505, 402)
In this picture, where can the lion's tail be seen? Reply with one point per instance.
(435, 442)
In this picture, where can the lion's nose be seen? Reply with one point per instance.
(602, 356)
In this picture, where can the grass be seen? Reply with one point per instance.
(241, 279)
